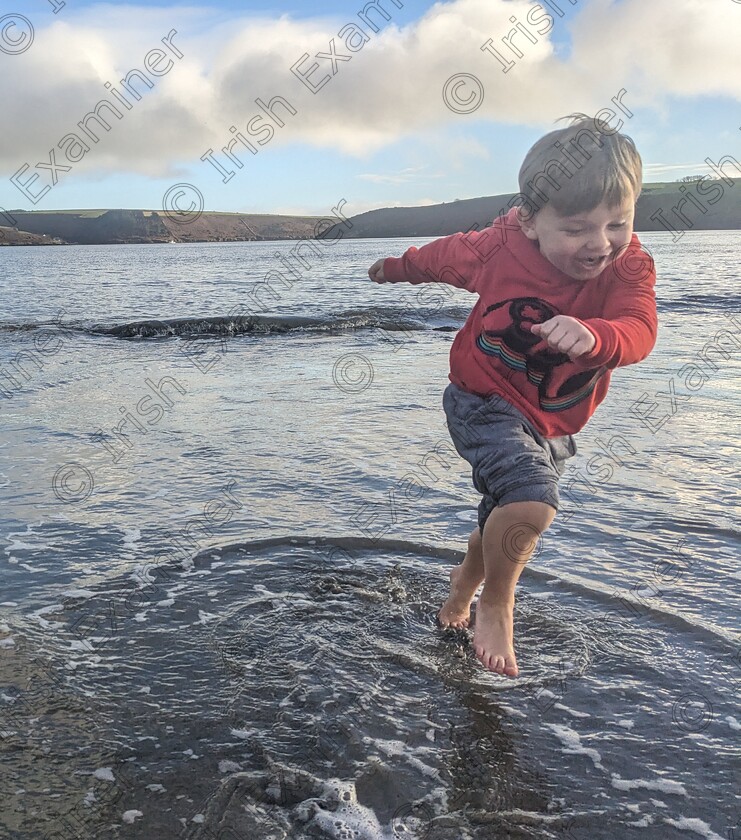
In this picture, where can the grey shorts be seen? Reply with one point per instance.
(511, 460)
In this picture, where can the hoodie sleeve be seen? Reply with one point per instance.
(459, 260)
(626, 333)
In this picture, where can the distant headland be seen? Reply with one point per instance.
(695, 203)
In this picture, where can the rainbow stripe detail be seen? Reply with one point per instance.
(496, 346)
(570, 400)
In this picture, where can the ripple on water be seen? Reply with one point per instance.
(302, 689)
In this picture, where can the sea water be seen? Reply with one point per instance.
(229, 506)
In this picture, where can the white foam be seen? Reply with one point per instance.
(8, 642)
(205, 617)
(226, 766)
(732, 722)
(79, 644)
(131, 536)
(701, 739)
(350, 819)
(48, 609)
(74, 664)
(572, 741)
(400, 749)
(130, 816)
(544, 692)
(644, 822)
(156, 788)
(79, 593)
(31, 569)
(532, 817)
(244, 734)
(105, 774)
(512, 712)
(17, 545)
(664, 785)
(572, 712)
(626, 724)
(168, 602)
(696, 825)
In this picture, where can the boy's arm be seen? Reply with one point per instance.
(452, 259)
(626, 333)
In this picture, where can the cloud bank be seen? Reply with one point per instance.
(357, 85)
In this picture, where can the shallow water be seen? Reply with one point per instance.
(235, 605)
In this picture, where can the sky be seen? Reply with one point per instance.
(325, 103)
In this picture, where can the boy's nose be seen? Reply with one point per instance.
(599, 243)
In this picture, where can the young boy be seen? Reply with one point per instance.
(566, 294)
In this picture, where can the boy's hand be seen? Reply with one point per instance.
(566, 335)
(375, 272)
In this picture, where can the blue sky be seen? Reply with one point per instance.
(379, 132)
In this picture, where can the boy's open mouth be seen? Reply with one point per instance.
(595, 262)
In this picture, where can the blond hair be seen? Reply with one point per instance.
(573, 179)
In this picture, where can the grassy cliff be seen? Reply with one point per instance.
(707, 205)
(100, 227)
(656, 200)
(12, 236)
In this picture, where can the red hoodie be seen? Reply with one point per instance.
(495, 352)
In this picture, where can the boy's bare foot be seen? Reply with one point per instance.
(456, 611)
(494, 636)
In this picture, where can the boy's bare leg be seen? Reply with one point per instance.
(464, 582)
(511, 533)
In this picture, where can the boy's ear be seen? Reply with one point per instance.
(527, 223)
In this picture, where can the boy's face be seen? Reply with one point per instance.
(582, 245)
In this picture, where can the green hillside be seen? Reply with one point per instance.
(661, 206)
(112, 227)
(693, 205)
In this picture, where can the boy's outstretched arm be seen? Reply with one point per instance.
(454, 260)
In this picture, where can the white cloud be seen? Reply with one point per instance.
(390, 89)
(671, 171)
(403, 176)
